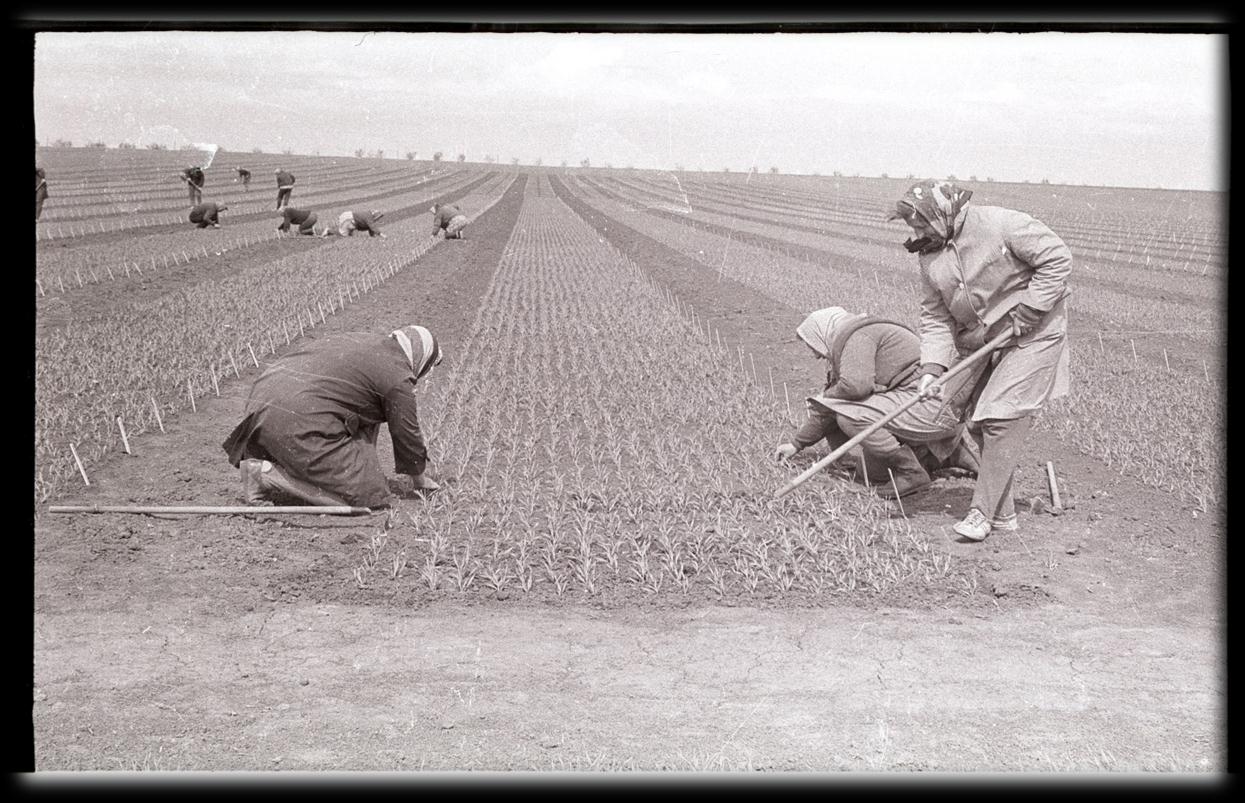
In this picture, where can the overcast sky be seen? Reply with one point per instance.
(1119, 109)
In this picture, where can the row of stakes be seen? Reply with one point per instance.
(343, 296)
(1099, 254)
(200, 253)
(790, 253)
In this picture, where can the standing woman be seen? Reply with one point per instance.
(195, 179)
(985, 269)
(285, 187)
(41, 191)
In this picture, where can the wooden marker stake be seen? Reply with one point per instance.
(125, 441)
(156, 407)
(76, 460)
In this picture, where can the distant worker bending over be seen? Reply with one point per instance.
(207, 214)
(349, 222)
(285, 186)
(244, 176)
(450, 219)
(194, 178)
(310, 424)
(303, 218)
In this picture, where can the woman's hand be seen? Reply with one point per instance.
(1025, 319)
(785, 451)
(926, 389)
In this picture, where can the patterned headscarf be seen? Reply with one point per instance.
(818, 328)
(935, 204)
(420, 347)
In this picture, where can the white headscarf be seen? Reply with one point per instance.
(419, 346)
(818, 328)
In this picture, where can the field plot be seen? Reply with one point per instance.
(605, 580)
(597, 461)
(1152, 351)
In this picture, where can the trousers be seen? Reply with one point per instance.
(1001, 443)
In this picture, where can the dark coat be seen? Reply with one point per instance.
(316, 410)
(299, 217)
(364, 221)
(205, 214)
(445, 213)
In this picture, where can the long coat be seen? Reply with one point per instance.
(41, 191)
(997, 259)
(205, 214)
(315, 413)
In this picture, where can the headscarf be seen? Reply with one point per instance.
(935, 204)
(420, 347)
(818, 328)
(377, 214)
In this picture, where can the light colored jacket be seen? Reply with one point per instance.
(997, 259)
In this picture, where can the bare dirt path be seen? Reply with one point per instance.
(241, 643)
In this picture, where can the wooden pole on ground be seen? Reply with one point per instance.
(326, 510)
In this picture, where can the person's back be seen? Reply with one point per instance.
(206, 214)
(445, 213)
(367, 221)
(295, 216)
(869, 353)
(284, 179)
(335, 376)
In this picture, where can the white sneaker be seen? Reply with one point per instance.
(975, 526)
